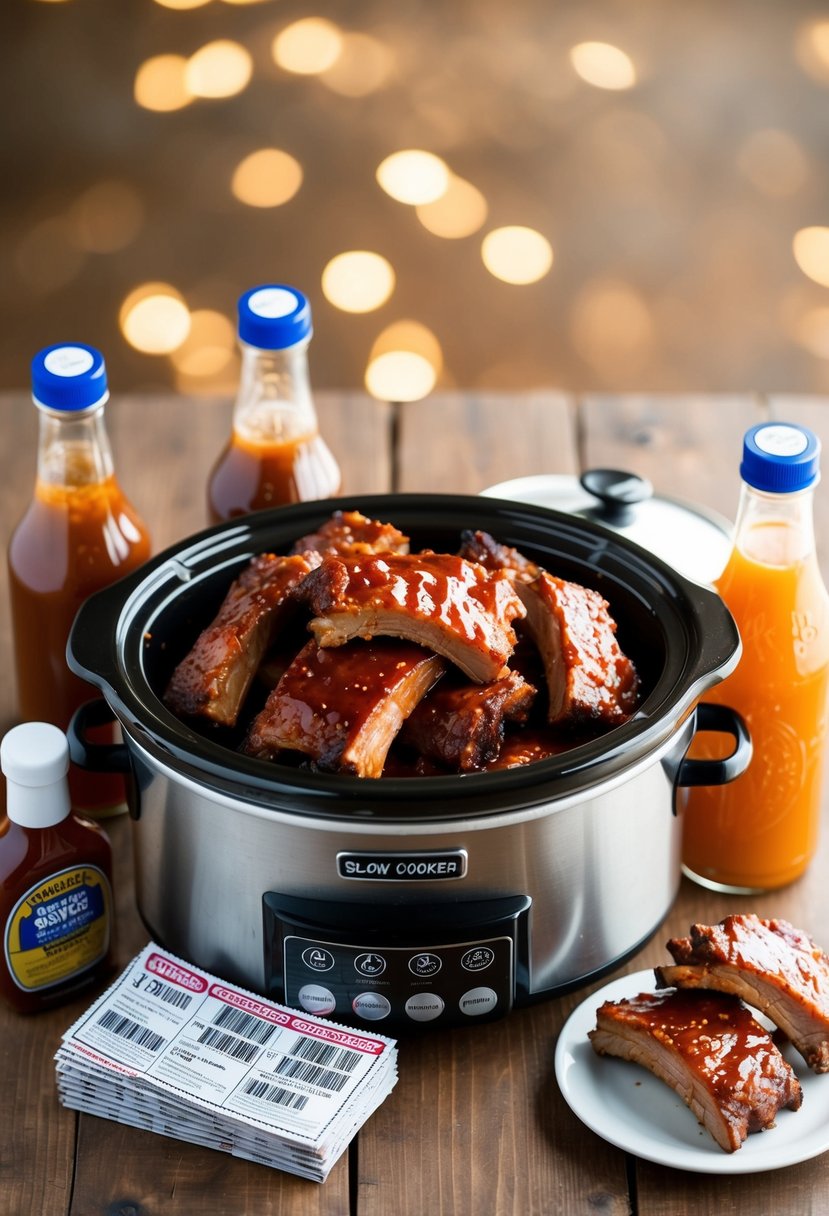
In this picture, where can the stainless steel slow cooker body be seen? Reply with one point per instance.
(406, 902)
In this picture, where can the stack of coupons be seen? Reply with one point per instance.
(174, 1050)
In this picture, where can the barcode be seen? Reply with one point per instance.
(275, 1093)
(229, 1045)
(134, 1031)
(325, 1053)
(325, 1078)
(173, 996)
(244, 1023)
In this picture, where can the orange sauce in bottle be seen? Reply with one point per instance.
(760, 831)
(275, 454)
(78, 534)
(251, 476)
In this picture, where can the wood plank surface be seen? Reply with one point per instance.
(688, 446)
(460, 443)
(476, 1125)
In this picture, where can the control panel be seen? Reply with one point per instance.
(399, 967)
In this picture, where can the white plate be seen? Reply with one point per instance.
(629, 1107)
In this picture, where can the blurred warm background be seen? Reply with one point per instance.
(571, 193)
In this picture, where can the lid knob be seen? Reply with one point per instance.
(617, 491)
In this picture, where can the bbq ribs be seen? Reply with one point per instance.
(434, 662)
(213, 679)
(771, 965)
(588, 677)
(710, 1050)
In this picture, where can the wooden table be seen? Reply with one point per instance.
(476, 1123)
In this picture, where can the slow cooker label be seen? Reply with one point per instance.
(403, 867)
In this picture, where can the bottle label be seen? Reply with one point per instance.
(59, 928)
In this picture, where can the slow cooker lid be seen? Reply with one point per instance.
(692, 539)
(159, 610)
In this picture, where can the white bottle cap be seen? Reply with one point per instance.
(35, 760)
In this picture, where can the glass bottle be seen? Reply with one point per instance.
(78, 534)
(759, 832)
(275, 454)
(55, 877)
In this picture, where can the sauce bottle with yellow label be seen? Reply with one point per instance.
(760, 831)
(275, 454)
(55, 877)
(78, 534)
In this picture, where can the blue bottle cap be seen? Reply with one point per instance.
(274, 317)
(780, 457)
(69, 376)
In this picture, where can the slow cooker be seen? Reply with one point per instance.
(407, 902)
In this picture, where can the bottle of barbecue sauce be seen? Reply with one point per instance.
(760, 831)
(78, 534)
(55, 877)
(275, 454)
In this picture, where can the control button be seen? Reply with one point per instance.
(316, 999)
(370, 964)
(424, 1007)
(318, 959)
(477, 1001)
(424, 965)
(372, 1006)
(478, 959)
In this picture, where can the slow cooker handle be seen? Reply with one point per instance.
(726, 721)
(98, 757)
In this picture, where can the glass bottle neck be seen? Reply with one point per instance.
(73, 447)
(274, 403)
(775, 529)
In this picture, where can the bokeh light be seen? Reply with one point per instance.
(460, 210)
(161, 84)
(811, 331)
(358, 281)
(516, 254)
(209, 347)
(405, 362)
(603, 65)
(47, 258)
(812, 49)
(363, 65)
(811, 252)
(107, 217)
(154, 318)
(182, 4)
(267, 178)
(413, 176)
(774, 162)
(218, 69)
(611, 326)
(672, 205)
(308, 47)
